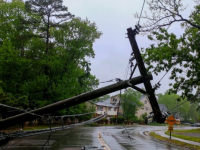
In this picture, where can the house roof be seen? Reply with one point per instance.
(162, 107)
(105, 103)
(142, 97)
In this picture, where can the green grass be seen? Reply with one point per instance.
(28, 128)
(156, 124)
(185, 137)
(162, 124)
(176, 142)
(188, 131)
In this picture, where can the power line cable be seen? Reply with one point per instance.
(157, 85)
(112, 80)
(15, 108)
(20, 134)
(184, 102)
(49, 136)
(141, 13)
(126, 72)
(18, 109)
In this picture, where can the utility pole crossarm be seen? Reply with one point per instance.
(49, 109)
(150, 92)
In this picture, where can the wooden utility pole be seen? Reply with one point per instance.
(27, 116)
(149, 90)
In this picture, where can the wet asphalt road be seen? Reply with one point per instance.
(136, 139)
(112, 138)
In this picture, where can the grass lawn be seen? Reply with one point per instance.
(162, 124)
(186, 137)
(176, 142)
(28, 128)
(156, 124)
(188, 131)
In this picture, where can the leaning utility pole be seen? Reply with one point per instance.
(27, 116)
(144, 78)
(149, 90)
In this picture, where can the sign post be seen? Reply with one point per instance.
(170, 120)
(170, 128)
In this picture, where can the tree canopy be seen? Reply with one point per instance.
(131, 103)
(181, 110)
(43, 51)
(179, 55)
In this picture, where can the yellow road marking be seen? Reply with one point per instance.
(103, 143)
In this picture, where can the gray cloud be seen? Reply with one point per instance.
(113, 49)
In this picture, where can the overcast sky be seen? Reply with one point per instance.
(112, 50)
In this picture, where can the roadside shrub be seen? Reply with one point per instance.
(113, 119)
(143, 116)
(104, 119)
(140, 121)
(120, 120)
(93, 124)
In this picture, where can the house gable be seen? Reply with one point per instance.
(109, 106)
(114, 99)
(146, 106)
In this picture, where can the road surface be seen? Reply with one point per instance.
(107, 137)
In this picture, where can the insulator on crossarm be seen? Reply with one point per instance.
(132, 58)
(118, 79)
(156, 86)
(137, 28)
(131, 64)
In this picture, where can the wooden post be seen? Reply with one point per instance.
(143, 72)
(70, 102)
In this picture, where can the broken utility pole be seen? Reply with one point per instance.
(27, 116)
(149, 90)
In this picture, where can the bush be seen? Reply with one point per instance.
(104, 119)
(143, 116)
(120, 120)
(113, 119)
(93, 124)
(140, 121)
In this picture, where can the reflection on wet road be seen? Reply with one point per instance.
(138, 139)
(108, 137)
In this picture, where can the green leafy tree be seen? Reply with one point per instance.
(11, 26)
(170, 101)
(51, 15)
(104, 97)
(193, 115)
(178, 55)
(131, 103)
(164, 13)
(53, 64)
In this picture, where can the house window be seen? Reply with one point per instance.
(114, 100)
(100, 108)
(146, 108)
(115, 109)
(109, 109)
(145, 102)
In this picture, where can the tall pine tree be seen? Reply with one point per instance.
(52, 14)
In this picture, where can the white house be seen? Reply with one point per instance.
(147, 107)
(109, 106)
